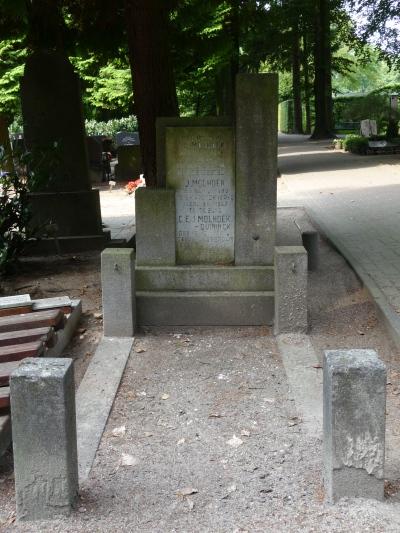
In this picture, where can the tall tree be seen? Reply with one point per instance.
(152, 74)
(324, 128)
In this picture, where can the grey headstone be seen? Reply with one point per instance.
(354, 424)
(129, 166)
(256, 168)
(200, 168)
(44, 438)
(118, 292)
(290, 290)
(155, 227)
(127, 138)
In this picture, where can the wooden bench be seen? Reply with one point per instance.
(33, 328)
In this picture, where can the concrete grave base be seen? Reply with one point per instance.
(76, 213)
(205, 308)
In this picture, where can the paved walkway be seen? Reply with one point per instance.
(356, 202)
(118, 212)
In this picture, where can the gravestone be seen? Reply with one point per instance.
(205, 239)
(129, 166)
(127, 138)
(368, 128)
(200, 168)
(54, 126)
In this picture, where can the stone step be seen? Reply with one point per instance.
(205, 278)
(205, 308)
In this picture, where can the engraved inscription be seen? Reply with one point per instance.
(201, 170)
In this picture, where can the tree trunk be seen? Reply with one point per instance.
(7, 164)
(225, 80)
(307, 91)
(296, 82)
(323, 72)
(152, 75)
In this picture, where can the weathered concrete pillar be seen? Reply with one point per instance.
(256, 168)
(44, 438)
(118, 289)
(354, 424)
(290, 289)
(155, 227)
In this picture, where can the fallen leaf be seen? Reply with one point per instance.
(98, 315)
(139, 349)
(118, 432)
(186, 491)
(269, 400)
(245, 433)
(128, 460)
(235, 442)
(215, 415)
(148, 434)
(165, 396)
(317, 366)
(181, 441)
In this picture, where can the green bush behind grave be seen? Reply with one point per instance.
(356, 144)
(111, 127)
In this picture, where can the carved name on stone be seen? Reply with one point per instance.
(200, 167)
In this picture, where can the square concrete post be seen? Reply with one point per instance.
(118, 292)
(44, 438)
(256, 168)
(155, 227)
(354, 424)
(290, 290)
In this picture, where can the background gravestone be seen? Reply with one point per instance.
(54, 125)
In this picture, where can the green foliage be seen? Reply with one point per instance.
(111, 127)
(12, 57)
(107, 88)
(356, 144)
(355, 108)
(14, 217)
(286, 119)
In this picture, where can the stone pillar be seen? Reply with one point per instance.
(155, 227)
(256, 168)
(118, 288)
(54, 130)
(290, 290)
(44, 438)
(354, 424)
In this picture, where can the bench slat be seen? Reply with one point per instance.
(20, 337)
(54, 318)
(4, 397)
(6, 369)
(16, 352)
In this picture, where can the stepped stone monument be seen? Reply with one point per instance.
(205, 238)
(54, 125)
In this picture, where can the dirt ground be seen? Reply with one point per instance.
(202, 435)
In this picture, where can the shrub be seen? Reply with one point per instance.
(14, 217)
(356, 144)
(111, 127)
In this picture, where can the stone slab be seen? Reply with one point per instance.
(75, 213)
(64, 336)
(305, 380)
(291, 314)
(200, 168)
(129, 166)
(65, 245)
(204, 278)
(155, 226)
(256, 168)
(354, 424)
(163, 122)
(95, 397)
(205, 308)
(44, 438)
(118, 292)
